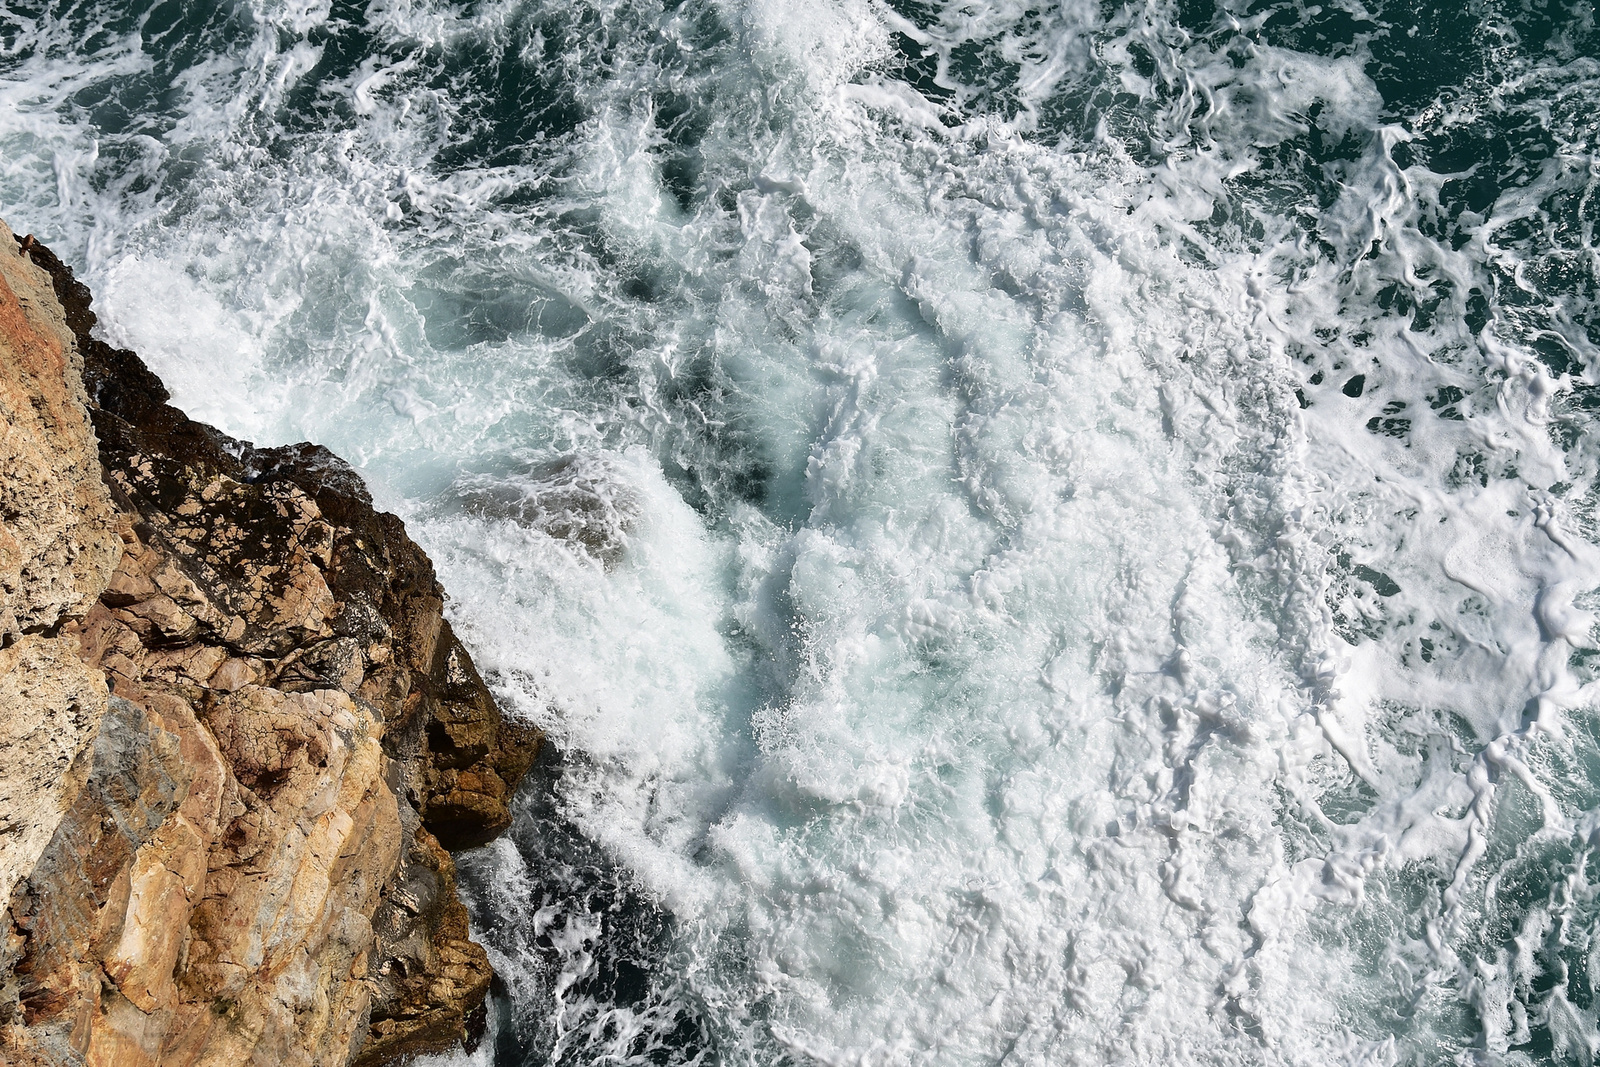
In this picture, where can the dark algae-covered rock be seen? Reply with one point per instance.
(254, 866)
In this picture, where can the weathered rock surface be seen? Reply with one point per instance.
(58, 545)
(253, 869)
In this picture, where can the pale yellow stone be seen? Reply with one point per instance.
(51, 704)
(58, 548)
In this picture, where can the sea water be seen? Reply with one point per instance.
(1053, 533)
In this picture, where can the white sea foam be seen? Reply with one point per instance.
(1025, 642)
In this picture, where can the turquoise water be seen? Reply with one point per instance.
(1040, 534)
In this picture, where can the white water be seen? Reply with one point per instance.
(1002, 664)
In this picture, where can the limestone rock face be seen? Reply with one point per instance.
(58, 544)
(253, 869)
(51, 704)
(57, 541)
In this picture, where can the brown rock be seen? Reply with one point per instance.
(58, 545)
(51, 704)
(250, 869)
(431, 976)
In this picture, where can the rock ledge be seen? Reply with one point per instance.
(240, 738)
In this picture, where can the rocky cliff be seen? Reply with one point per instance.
(238, 737)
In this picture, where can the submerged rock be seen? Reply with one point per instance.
(249, 864)
(582, 499)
